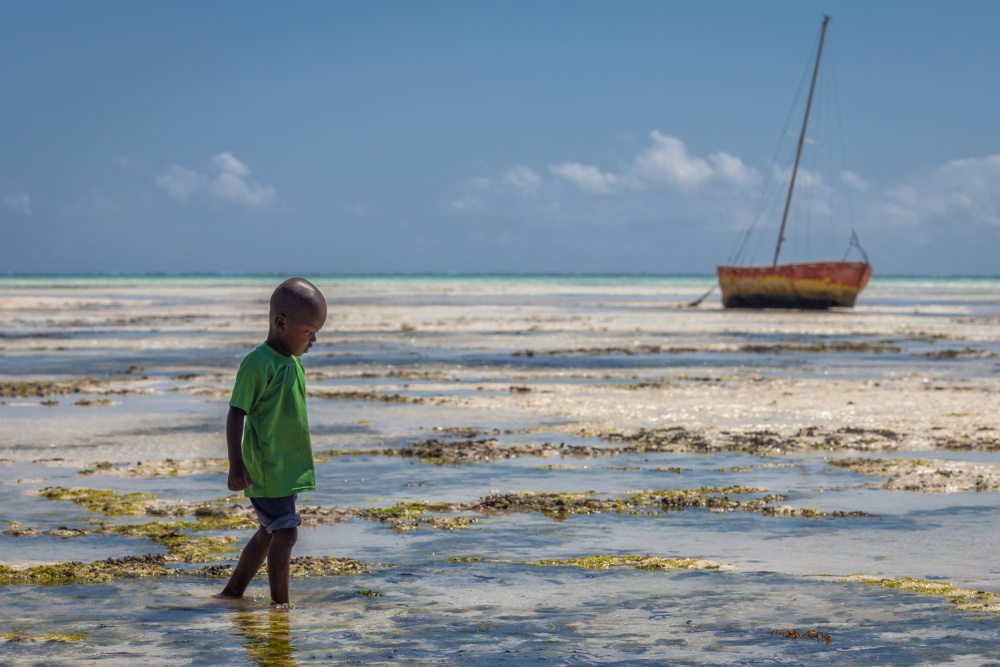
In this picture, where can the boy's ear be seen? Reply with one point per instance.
(279, 322)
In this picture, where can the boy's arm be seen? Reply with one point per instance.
(239, 478)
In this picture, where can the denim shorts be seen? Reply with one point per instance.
(276, 513)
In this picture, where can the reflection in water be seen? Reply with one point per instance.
(266, 638)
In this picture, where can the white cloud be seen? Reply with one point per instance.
(476, 189)
(731, 168)
(665, 163)
(19, 201)
(803, 179)
(968, 188)
(230, 182)
(667, 160)
(523, 178)
(468, 203)
(585, 177)
(853, 180)
(229, 164)
(181, 183)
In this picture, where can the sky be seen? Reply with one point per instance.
(472, 136)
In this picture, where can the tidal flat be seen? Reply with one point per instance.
(510, 470)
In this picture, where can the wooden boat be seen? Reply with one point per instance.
(807, 286)
(815, 285)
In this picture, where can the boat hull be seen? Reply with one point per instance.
(813, 285)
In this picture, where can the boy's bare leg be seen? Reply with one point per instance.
(249, 564)
(279, 557)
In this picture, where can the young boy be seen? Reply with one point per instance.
(272, 462)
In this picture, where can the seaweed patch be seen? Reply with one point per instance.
(43, 388)
(61, 637)
(105, 501)
(104, 571)
(821, 637)
(926, 475)
(962, 598)
(678, 439)
(154, 565)
(164, 468)
(634, 562)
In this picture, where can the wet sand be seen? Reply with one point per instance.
(477, 438)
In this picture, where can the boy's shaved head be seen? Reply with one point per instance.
(295, 297)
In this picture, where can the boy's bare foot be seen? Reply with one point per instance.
(227, 596)
(284, 606)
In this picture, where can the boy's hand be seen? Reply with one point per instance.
(239, 478)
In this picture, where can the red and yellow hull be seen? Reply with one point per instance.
(814, 285)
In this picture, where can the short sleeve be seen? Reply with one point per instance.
(248, 388)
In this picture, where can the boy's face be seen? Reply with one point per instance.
(297, 332)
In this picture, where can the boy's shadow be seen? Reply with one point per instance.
(267, 638)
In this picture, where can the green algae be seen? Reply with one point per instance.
(412, 516)
(763, 443)
(104, 501)
(633, 562)
(821, 637)
(203, 549)
(334, 453)
(809, 513)
(211, 515)
(955, 353)
(821, 347)
(138, 567)
(234, 498)
(926, 475)
(369, 593)
(402, 517)
(165, 468)
(409, 511)
(561, 505)
(675, 439)
(450, 523)
(100, 466)
(962, 598)
(59, 637)
(220, 523)
(94, 403)
(112, 569)
(43, 388)
(181, 546)
(325, 566)
(351, 395)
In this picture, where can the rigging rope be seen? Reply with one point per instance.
(757, 211)
(855, 242)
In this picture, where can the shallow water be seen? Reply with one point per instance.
(458, 346)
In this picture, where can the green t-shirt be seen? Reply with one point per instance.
(271, 389)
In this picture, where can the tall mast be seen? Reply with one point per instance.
(802, 139)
